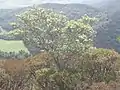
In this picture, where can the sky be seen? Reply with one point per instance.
(22, 3)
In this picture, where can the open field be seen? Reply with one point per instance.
(12, 46)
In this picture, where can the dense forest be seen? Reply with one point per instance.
(64, 47)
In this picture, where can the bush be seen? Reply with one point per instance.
(14, 75)
(86, 73)
(99, 65)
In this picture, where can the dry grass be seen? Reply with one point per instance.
(103, 86)
(13, 66)
(18, 74)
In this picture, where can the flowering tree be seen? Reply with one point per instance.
(53, 32)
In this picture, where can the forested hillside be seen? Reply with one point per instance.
(73, 11)
(110, 31)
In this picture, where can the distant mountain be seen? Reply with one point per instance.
(96, 3)
(73, 11)
(106, 37)
(108, 5)
(7, 16)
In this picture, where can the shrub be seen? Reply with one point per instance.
(99, 65)
(86, 73)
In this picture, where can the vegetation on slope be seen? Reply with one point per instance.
(97, 70)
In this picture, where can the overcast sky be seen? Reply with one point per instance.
(21, 3)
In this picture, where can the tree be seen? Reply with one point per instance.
(41, 27)
(65, 40)
(56, 34)
(50, 31)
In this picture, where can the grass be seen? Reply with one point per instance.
(12, 46)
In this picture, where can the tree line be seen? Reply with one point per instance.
(14, 55)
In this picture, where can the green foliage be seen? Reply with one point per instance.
(118, 38)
